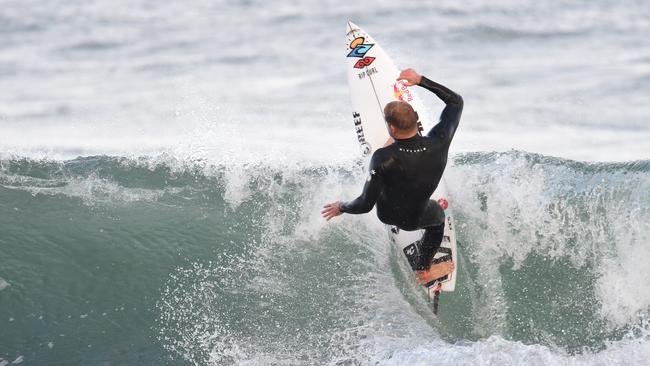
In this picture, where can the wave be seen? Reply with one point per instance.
(551, 269)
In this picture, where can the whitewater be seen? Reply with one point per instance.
(163, 166)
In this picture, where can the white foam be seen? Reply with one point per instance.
(91, 189)
(498, 351)
(624, 274)
(515, 207)
(3, 284)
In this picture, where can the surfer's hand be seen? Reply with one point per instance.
(410, 76)
(331, 210)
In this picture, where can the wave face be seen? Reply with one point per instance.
(186, 262)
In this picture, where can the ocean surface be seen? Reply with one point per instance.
(163, 166)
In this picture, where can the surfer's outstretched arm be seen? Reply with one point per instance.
(371, 189)
(450, 116)
(367, 199)
(365, 202)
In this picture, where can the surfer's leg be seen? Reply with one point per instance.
(429, 244)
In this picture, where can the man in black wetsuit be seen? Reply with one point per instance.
(403, 175)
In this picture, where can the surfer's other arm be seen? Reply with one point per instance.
(450, 116)
(366, 201)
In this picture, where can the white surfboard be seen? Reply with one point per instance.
(372, 78)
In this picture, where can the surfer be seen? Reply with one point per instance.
(403, 175)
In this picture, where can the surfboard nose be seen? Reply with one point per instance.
(351, 27)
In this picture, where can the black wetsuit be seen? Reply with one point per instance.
(403, 176)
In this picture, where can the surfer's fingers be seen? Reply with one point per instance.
(404, 79)
(405, 82)
(408, 71)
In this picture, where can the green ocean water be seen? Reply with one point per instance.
(122, 261)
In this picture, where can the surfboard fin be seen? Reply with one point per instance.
(437, 289)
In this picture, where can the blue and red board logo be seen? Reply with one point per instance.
(359, 49)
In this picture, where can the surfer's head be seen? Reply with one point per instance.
(401, 116)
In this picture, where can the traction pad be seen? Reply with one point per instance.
(411, 253)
